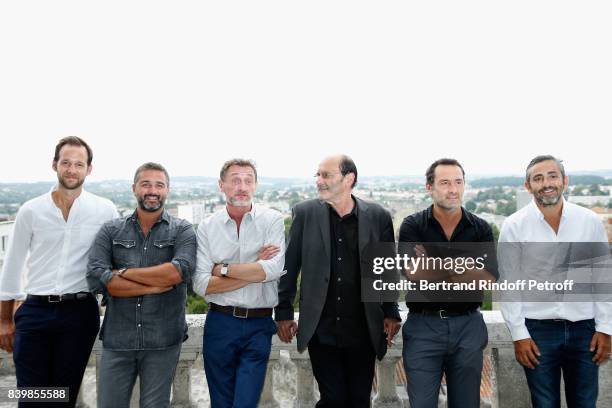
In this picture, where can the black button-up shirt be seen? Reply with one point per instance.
(422, 227)
(146, 322)
(343, 322)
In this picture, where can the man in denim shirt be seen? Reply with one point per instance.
(142, 264)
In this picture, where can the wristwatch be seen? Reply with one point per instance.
(224, 269)
(120, 271)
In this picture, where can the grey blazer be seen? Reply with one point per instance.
(308, 252)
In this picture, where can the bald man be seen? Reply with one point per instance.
(343, 334)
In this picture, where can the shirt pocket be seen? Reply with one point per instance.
(125, 253)
(164, 250)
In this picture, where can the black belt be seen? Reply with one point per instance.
(66, 297)
(445, 314)
(241, 312)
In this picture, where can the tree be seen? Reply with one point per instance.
(470, 206)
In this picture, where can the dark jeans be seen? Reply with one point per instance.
(453, 346)
(53, 342)
(236, 353)
(344, 375)
(564, 347)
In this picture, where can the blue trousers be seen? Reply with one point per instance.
(564, 347)
(236, 353)
(453, 346)
(53, 342)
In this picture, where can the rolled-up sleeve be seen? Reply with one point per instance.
(204, 263)
(184, 258)
(99, 266)
(275, 235)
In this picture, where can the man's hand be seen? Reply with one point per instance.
(287, 329)
(267, 252)
(7, 335)
(391, 327)
(600, 344)
(419, 251)
(526, 351)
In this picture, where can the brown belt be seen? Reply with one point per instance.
(241, 312)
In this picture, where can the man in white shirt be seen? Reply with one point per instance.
(52, 333)
(554, 337)
(240, 258)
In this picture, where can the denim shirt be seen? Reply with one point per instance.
(149, 322)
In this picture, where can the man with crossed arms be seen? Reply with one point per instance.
(240, 259)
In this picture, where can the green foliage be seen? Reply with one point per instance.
(470, 206)
(288, 222)
(591, 190)
(495, 231)
(487, 302)
(195, 303)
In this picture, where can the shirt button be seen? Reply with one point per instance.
(339, 239)
(338, 298)
(339, 258)
(145, 248)
(337, 318)
(139, 305)
(339, 279)
(139, 324)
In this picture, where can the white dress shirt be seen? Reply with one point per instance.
(47, 255)
(578, 224)
(219, 242)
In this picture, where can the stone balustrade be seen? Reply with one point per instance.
(508, 386)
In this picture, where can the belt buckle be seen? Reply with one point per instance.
(442, 314)
(54, 298)
(240, 316)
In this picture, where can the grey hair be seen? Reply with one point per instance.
(542, 158)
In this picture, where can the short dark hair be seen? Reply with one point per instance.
(151, 166)
(237, 162)
(347, 165)
(541, 158)
(72, 141)
(431, 170)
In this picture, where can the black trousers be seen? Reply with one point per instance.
(344, 375)
(53, 342)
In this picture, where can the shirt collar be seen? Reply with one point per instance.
(253, 213)
(164, 217)
(466, 216)
(354, 211)
(536, 210)
(56, 186)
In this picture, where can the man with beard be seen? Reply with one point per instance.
(445, 332)
(328, 245)
(555, 337)
(53, 331)
(240, 259)
(142, 264)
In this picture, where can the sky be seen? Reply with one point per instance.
(394, 84)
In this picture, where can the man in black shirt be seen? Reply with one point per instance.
(327, 250)
(445, 331)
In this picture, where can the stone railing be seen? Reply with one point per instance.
(508, 386)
